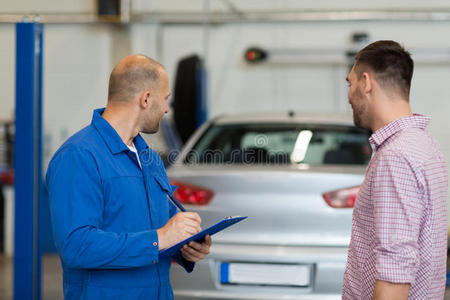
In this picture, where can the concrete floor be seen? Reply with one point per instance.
(51, 278)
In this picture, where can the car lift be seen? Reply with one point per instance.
(28, 161)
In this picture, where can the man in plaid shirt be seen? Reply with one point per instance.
(398, 247)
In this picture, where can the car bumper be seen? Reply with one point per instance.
(192, 295)
(327, 270)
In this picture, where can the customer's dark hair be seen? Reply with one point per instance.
(390, 64)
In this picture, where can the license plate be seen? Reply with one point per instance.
(265, 274)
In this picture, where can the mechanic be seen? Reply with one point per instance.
(398, 247)
(109, 191)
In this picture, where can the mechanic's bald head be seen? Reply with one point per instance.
(132, 75)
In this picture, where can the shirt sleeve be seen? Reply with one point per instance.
(177, 257)
(398, 207)
(76, 206)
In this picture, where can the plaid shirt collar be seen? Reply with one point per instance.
(381, 135)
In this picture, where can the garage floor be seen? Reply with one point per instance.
(52, 281)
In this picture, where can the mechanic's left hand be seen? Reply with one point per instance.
(195, 251)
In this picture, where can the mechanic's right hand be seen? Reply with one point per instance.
(178, 228)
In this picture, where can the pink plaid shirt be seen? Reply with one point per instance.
(399, 231)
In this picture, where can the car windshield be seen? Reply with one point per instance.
(281, 144)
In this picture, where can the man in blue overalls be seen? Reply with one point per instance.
(108, 196)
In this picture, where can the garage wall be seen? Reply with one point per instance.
(77, 62)
(235, 86)
(79, 57)
(196, 5)
(48, 6)
(7, 71)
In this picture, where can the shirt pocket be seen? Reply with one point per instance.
(160, 197)
(165, 185)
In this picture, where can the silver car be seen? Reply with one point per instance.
(296, 178)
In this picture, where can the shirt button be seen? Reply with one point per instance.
(154, 262)
(155, 244)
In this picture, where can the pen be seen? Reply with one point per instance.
(176, 203)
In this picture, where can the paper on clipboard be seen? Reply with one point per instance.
(225, 223)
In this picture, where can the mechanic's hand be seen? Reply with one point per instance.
(179, 227)
(195, 251)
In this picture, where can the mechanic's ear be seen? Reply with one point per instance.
(145, 99)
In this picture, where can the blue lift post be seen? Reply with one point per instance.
(27, 161)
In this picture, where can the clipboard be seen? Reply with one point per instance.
(225, 223)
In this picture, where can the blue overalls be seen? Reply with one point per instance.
(105, 211)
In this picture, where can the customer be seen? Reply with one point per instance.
(108, 196)
(399, 237)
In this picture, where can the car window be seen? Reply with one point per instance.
(281, 144)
